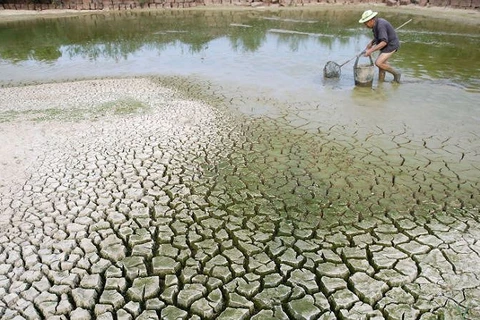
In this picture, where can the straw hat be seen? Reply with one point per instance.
(367, 15)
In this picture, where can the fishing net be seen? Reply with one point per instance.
(332, 70)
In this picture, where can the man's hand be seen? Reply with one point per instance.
(372, 48)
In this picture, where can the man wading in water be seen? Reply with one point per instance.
(384, 39)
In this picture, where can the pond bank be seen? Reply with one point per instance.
(156, 4)
(466, 16)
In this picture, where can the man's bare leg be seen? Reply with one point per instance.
(383, 66)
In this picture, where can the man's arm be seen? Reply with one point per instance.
(372, 48)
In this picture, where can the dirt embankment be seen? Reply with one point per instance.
(467, 16)
(155, 4)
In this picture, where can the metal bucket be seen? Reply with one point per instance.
(363, 73)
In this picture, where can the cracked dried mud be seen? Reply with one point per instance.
(160, 206)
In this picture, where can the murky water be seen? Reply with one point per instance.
(271, 48)
(277, 54)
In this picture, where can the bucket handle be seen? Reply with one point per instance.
(358, 57)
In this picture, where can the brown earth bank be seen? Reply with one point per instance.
(463, 16)
(447, 13)
(133, 4)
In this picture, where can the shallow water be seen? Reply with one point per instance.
(278, 54)
(265, 46)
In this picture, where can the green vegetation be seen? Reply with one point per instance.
(120, 107)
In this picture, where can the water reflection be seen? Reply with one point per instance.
(120, 40)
